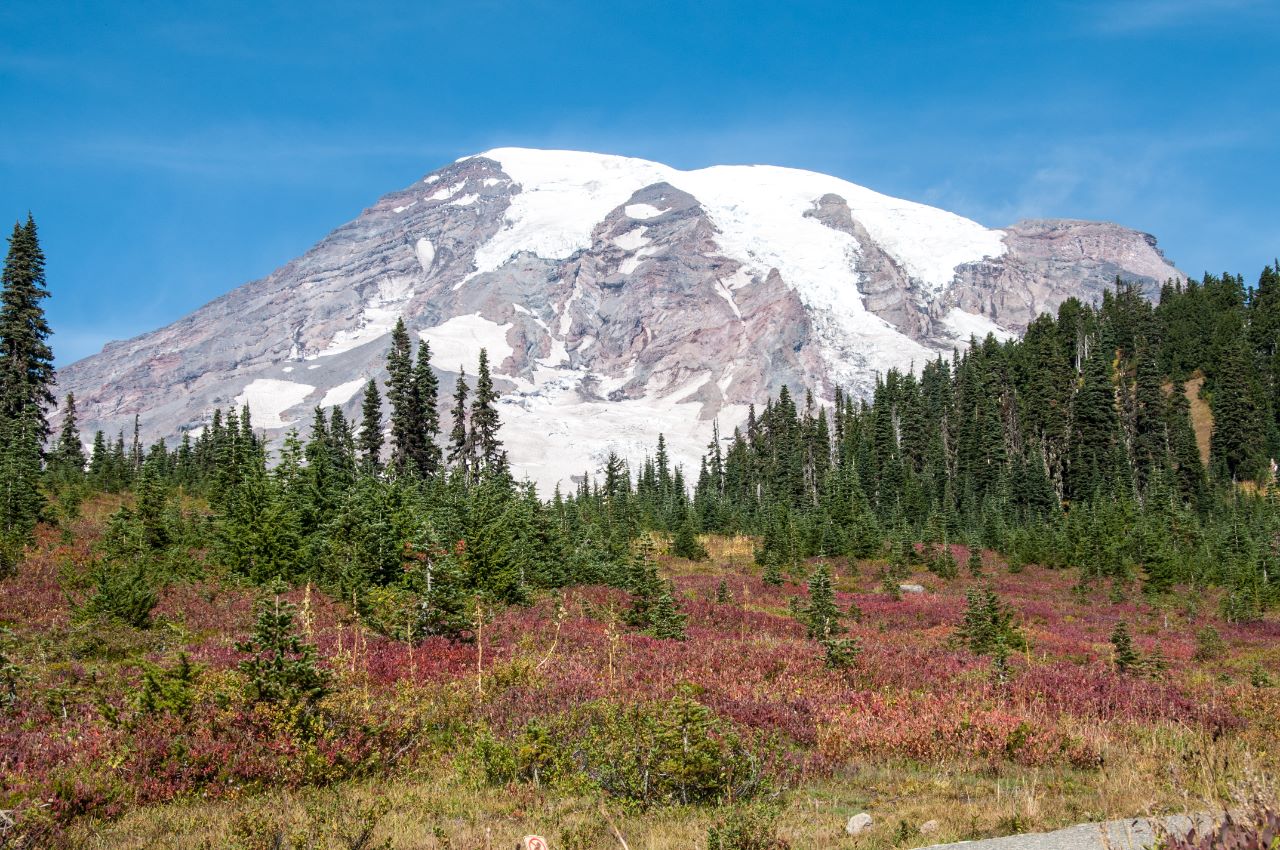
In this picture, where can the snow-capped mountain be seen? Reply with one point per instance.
(616, 297)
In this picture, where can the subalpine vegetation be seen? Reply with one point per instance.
(1074, 446)
(1017, 569)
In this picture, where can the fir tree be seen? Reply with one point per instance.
(1126, 657)
(281, 667)
(26, 360)
(644, 585)
(427, 391)
(123, 593)
(839, 653)
(489, 455)
(20, 500)
(974, 561)
(988, 623)
(402, 392)
(1188, 466)
(664, 620)
(1236, 440)
(460, 448)
(686, 543)
(370, 440)
(821, 616)
(169, 691)
(1094, 429)
(772, 574)
(67, 461)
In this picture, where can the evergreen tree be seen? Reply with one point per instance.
(1094, 429)
(26, 360)
(461, 446)
(427, 392)
(1188, 466)
(772, 574)
(370, 439)
(686, 543)
(974, 562)
(402, 392)
(988, 623)
(665, 621)
(20, 500)
(643, 583)
(1126, 657)
(281, 667)
(821, 616)
(1149, 434)
(489, 454)
(1236, 441)
(67, 461)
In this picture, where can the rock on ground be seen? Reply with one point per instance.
(1132, 834)
(858, 824)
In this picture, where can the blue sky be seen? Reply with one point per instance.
(172, 151)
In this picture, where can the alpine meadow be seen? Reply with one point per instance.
(675, 426)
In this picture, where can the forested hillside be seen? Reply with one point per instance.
(1074, 446)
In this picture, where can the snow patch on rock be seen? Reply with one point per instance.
(965, 325)
(269, 398)
(631, 240)
(630, 264)
(642, 211)
(426, 253)
(457, 342)
(449, 191)
(563, 195)
(551, 432)
(342, 393)
(378, 317)
(761, 215)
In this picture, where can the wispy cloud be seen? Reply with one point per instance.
(248, 153)
(1114, 176)
(1121, 17)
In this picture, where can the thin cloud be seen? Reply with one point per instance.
(1120, 17)
(249, 154)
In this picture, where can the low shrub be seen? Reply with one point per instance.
(746, 828)
(667, 753)
(121, 593)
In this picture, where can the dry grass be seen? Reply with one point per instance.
(434, 800)
(1161, 770)
(1201, 417)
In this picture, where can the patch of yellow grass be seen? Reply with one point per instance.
(1153, 770)
(1201, 416)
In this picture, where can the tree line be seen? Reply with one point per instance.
(1073, 446)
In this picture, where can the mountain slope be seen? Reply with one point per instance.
(617, 298)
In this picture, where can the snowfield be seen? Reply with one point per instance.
(269, 398)
(456, 343)
(761, 215)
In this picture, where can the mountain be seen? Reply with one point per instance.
(617, 298)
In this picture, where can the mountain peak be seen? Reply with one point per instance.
(616, 296)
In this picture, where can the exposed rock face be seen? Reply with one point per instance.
(617, 298)
(1051, 260)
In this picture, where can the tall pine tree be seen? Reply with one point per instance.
(26, 360)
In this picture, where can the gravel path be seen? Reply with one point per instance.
(1132, 834)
